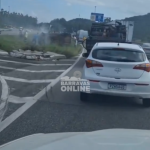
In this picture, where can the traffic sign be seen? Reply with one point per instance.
(97, 17)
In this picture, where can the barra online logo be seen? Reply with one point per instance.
(74, 84)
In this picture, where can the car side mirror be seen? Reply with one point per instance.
(85, 55)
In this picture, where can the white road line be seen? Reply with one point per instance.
(27, 81)
(18, 100)
(27, 105)
(54, 82)
(5, 89)
(15, 115)
(4, 97)
(25, 70)
(17, 62)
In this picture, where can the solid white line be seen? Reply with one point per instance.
(4, 97)
(27, 81)
(26, 106)
(15, 115)
(25, 70)
(17, 62)
(54, 82)
(18, 100)
(5, 89)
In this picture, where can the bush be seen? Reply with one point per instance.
(9, 43)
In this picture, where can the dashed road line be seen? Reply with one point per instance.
(17, 62)
(27, 81)
(25, 70)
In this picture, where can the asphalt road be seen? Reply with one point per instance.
(59, 111)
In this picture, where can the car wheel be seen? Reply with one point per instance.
(83, 96)
(146, 102)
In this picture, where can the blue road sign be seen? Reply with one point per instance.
(97, 17)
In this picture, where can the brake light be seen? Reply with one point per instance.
(92, 63)
(145, 67)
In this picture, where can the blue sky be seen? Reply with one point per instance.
(46, 10)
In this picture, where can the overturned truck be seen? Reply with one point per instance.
(60, 38)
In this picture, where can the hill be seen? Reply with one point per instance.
(141, 29)
(16, 19)
(71, 25)
(142, 26)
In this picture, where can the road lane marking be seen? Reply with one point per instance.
(54, 82)
(17, 62)
(15, 115)
(27, 105)
(19, 100)
(25, 70)
(27, 81)
(4, 97)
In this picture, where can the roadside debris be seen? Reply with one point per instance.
(36, 55)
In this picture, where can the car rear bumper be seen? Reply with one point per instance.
(119, 93)
(139, 88)
(132, 90)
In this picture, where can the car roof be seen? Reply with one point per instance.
(121, 45)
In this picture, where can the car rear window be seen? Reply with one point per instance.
(120, 55)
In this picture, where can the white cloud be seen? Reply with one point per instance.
(69, 4)
(86, 2)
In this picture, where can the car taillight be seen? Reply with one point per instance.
(145, 67)
(92, 63)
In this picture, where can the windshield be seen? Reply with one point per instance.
(119, 55)
(49, 83)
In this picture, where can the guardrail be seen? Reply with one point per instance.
(4, 98)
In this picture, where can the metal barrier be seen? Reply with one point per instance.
(4, 98)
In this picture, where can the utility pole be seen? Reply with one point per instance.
(9, 8)
(95, 9)
(0, 5)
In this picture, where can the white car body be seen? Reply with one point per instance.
(110, 139)
(136, 82)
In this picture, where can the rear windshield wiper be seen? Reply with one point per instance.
(125, 60)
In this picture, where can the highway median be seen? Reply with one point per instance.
(9, 43)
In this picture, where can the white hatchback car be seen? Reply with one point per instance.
(118, 69)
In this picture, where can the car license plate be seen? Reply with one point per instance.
(117, 86)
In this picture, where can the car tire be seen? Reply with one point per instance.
(84, 96)
(146, 102)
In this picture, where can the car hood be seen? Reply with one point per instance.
(111, 139)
